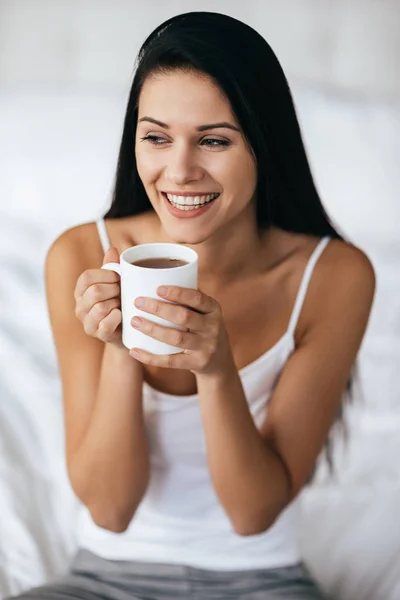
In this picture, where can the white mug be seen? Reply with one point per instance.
(143, 281)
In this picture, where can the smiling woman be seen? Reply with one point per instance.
(190, 465)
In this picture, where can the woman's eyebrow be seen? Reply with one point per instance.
(222, 125)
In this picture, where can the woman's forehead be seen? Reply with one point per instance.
(183, 97)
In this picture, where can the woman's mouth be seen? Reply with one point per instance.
(187, 207)
(185, 203)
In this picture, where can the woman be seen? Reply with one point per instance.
(190, 485)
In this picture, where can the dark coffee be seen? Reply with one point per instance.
(160, 263)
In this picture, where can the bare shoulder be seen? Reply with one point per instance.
(342, 283)
(342, 288)
(80, 247)
(339, 258)
(346, 267)
(74, 251)
(341, 268)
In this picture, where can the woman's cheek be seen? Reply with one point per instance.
(146, 165)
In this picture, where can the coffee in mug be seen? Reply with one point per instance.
(159, 263)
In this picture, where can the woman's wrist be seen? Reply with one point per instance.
(219, 380)
(119, 358)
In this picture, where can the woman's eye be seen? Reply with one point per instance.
(160, 141)
(154, 139)
(214, 142)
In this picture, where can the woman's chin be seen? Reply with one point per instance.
(189, 241)
(184, 234)
(185, 237)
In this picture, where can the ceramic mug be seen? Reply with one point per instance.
(144, 281)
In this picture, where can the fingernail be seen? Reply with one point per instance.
(163, 291)
(136, 322)
(134, 353)
(140, 302)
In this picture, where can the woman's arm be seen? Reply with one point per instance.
(109, 470)
(256, 473)
(106, 446)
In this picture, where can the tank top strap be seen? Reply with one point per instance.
(305, 283)
(103, 235)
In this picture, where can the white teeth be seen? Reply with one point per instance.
(190, 202)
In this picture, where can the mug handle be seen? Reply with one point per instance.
(116, 267)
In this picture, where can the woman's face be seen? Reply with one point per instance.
(189, 149)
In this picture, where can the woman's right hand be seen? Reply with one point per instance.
(98, 302)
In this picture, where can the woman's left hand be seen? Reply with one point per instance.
(206, 347)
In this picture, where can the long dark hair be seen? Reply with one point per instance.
(243, 65)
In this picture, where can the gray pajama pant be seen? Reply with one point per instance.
(95, 578)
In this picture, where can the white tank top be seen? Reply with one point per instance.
(180, 519)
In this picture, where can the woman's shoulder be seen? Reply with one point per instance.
(343, 281)
(342, 275)
(338, 257)
(342, 263)
(82, 242)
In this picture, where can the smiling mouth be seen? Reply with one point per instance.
(190, 202)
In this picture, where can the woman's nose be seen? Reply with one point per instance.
(183, 167)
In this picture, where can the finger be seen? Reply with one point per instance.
(109, 324)
(99, 292)
(188, 297)
(179, 315)
(112, 255)
(167, 361)
(169, 335)
(102, 309)
(97, 313)
(98, 310)
(93, 276)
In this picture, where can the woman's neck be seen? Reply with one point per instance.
(230, 255)
(233, 253)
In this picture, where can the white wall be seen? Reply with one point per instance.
(351, 45)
